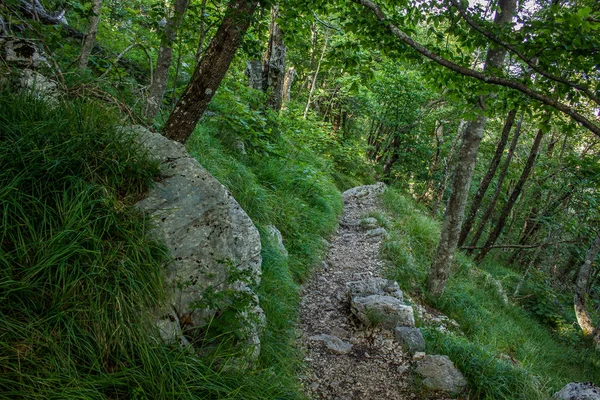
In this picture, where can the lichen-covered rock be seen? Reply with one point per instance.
(21, 53)
(278, 239)
(376, 233)
(410, 338)
(369, 223)
(39, 86)
(578, 391)
(384, 311)
(370, 286)
(214, 244)
(439, 373)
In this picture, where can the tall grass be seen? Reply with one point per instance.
(506, 353)
(80, 272)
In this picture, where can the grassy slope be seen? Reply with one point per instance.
(77, 263)
(543, 361)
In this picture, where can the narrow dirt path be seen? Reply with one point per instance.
(375, 367)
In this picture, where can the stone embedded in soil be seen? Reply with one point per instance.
(369, 223)
(377, 232)
(411, 339)
(333, 343)
(370, 286)
(439, 373)
(384, 311)
(578, 391)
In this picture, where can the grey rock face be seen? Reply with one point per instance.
(39, 85)
(385, 311)
(364, 191)
(279, 239)
(334, 344)
(208, 234)
(410, 338)
(21, 53)
(578, 391)
(372, 286)
(439, 373)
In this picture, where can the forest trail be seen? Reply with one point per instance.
(375, 367)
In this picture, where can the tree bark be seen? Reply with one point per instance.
(503, 171)
(165, 57)
(290, 75)
(90, 38)
(316, 74)
(513, 197)
(487, 179)
(463, 174)
(581, 290)
(274, 64)
(210, 70)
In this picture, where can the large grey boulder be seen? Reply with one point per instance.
(411, 339)
(384, 311)
(209, 237)
(578, 391)
(439, 373)
(21, 53)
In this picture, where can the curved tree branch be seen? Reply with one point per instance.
(491, 79)
(529, 61)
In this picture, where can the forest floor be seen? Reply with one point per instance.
(375, 367)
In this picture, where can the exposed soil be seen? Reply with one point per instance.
(376, 367)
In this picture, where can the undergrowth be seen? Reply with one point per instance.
(507, 351)
(278, 180)
(78, 267)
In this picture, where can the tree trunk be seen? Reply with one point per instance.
(274, 64)
(165, 57)
(442, 262)
(448, 162)
(90, 38)
(513, 197)
(210, 70)
(503, 171)
(581, 290)
(487, 179)
(316, 74)
(254, 73)
(290, 75)
(203, 32)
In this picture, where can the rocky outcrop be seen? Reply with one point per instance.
(276, 234)
(578, 391)
(363, 192)
(439, 373)
(214, 244)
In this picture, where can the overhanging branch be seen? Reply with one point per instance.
(491, 79)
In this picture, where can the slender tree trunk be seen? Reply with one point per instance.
(503, 171)
(531, 264)
(513, 197)
(165, 57)
(200, 49)
(316, 74)
(290, 75)
(90, 38)
(274, 64)
(581, 289)
(254, 73)
(487, 179)
(463, 174)
(210, 70)
(448, 163)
